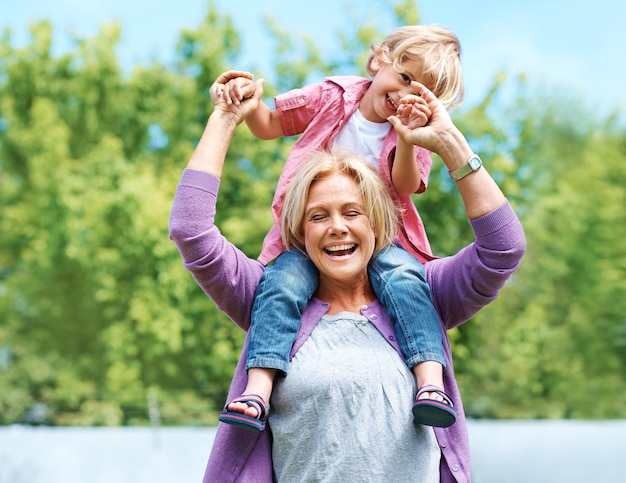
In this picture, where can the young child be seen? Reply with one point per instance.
(351, 112)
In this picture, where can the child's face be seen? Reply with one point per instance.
(389, 86)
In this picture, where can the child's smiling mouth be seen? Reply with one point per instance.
(390, 104)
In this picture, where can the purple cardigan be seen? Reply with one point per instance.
(460, 286)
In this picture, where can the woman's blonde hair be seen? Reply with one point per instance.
(439, 51)
(380, 208)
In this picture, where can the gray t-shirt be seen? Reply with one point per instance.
(343, 412)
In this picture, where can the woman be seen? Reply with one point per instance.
(334, 417)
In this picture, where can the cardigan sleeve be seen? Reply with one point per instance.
(225, 273)
(463, 284)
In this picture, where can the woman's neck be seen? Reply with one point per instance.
(345, 297)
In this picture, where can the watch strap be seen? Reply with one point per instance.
(473, 164)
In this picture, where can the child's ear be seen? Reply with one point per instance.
(375, 64)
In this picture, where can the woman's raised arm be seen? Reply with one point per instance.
(211, 150)
(480, 193)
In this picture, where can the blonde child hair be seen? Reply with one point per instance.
(439, 51)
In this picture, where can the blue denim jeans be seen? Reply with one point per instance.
(288, 284)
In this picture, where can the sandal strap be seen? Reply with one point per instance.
(435, 389)
(254, 401)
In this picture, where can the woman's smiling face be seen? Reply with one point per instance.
(337, 233)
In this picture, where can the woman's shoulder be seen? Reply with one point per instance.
(224, 272)
(464, 283)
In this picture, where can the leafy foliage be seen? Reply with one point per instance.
(100, 323)
(553, 344)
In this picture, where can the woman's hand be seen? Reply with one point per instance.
(234, 93)
(433, 134)
(234, 90)
(479, 191)
(211, 150)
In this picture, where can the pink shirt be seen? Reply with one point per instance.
(318, 112)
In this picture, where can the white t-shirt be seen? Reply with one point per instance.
(363, 137)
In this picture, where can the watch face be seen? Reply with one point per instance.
(475, 163)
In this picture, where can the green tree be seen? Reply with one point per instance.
(98, 316)
(97, 310)
(553, 345)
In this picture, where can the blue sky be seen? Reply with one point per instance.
(568, 46)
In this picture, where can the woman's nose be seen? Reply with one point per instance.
(337, 226)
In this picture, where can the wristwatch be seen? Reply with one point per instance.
(473, 164)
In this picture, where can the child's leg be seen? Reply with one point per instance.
(398, 280)
(399, 283)
(283, 292)
(285, 288)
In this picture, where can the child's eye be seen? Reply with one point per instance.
(406, 78)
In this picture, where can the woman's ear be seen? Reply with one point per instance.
(300, 237)
(375, 230)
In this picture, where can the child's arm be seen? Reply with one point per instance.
(405, 173)
(263, 122)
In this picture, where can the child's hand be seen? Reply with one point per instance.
(237, 88)
(413, 111)
(431, 135)
(248, 93)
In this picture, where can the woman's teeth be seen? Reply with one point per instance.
(343, 249)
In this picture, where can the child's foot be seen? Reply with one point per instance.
(248, 411)
(435, 409)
